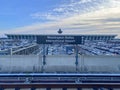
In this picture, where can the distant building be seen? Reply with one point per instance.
(85, 37)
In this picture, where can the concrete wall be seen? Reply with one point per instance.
(99, 64)
(65, 63)
(26, 63)
(59, 63)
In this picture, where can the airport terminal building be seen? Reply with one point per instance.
(86, 37)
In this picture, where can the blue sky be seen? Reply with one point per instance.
(72, 16)
(16, 13)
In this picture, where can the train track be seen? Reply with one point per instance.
(60, 78)
(75, 80)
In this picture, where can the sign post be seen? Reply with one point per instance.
(60, 39)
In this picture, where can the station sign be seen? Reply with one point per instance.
(59, 39)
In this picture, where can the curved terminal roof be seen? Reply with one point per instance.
(86, 37)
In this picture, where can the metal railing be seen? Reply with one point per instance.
(64, 86)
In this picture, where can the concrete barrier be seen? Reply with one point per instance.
(20, 63)
(59, 63)
(99, 64)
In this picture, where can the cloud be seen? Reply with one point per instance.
(68, 10)
(78, 16)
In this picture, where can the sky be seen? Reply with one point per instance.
(72, 16)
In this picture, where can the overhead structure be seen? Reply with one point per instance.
(85, 37)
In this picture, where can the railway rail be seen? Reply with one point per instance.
(46, 80)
